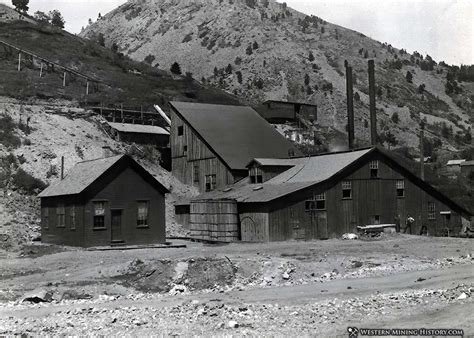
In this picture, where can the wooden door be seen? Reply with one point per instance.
(250, 230)
(116, 221)
(319, 224)
(321, 217)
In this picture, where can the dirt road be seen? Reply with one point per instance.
(433, 311)
(306, 289)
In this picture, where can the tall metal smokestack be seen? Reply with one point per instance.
(373, 112)
(422, 151)
(350, 105)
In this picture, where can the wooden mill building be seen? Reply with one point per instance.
(321, 197)
(108, 201)
(212, 144)
(138, 133)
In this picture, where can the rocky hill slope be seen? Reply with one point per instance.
(261, 49)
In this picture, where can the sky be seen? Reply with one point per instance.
(444, 29)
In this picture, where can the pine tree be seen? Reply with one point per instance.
(306, 79)
(409, 77)
(57, 19)
(21, 5)
(175, 68)
(311, 57)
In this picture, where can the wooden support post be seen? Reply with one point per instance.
(19, 61)
(64, 79)
(141, 114)
(87, 87)
(41, 69)
(121, 111)
(115, 110)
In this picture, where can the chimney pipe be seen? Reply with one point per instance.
(350, 105)
(422, 151)
(62, 167)
(373, 116)
(107, 152)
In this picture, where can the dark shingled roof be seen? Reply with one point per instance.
(237, 134)
(83, 174)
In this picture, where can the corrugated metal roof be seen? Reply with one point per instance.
(306, 172)
(236, 133)
(80, 177)
(467, 163)
(138, 128)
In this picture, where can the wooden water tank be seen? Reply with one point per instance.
(214, 220)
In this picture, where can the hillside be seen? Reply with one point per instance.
(122, 80)
(261, 50)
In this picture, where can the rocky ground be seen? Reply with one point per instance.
(288, 288)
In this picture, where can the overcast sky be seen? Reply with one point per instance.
(441, 28)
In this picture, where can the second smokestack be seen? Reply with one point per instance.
(350, 105)
(373, 110)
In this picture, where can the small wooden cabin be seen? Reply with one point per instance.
(108, 201)
(326, 196)
(212, 144)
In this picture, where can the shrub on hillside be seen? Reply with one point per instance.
(7, 136)
(27, 183)
(175, 68)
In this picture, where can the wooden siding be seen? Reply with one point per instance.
(122, 192)
(196, 154)
(67, 235)
(214, 220)
(288, 219)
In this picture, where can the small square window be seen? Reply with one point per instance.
(61, 216)
(401, 188)
(346, 189)
(185, 150)
(196, 173)
(320, 201)
(376, 219)
(99, 215)
(142, 218)
(256, 175)
(211, 181)
(180, 131)
(431, 210)
(374, 169)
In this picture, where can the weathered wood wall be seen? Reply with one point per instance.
(216, 220)
(288, 219)
(188, 151)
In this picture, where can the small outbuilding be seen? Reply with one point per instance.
(102, 202)
(141, 134)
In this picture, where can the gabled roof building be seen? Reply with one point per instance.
(321, 197)
(108, 201)
(211, 145)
